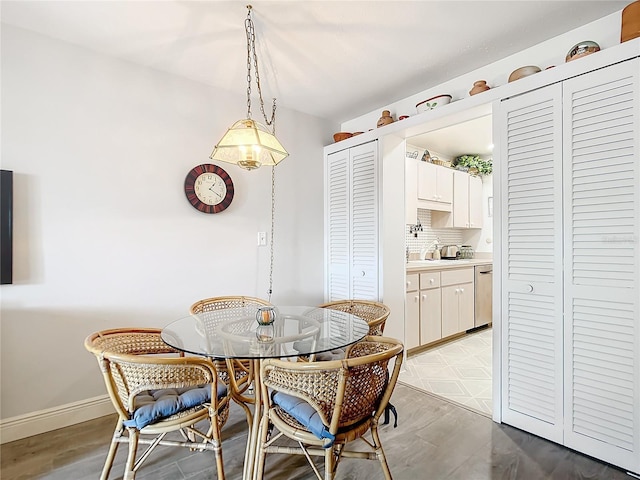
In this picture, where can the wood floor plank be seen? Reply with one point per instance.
(435, 440)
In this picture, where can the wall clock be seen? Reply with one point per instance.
(209, 188)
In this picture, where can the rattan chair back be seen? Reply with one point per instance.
(212, 312)
(375, 313)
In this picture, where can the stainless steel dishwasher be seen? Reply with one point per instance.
(483, 295)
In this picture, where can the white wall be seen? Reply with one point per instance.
(103, 234)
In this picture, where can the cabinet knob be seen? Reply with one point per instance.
(462, 290)
(424, 297)
(408, 284)
(432, 281)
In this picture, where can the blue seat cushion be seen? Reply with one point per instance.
(305, 414)
(154, 405)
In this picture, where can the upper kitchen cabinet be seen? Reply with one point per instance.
(435, 187)
(351, 223)
(467, 203)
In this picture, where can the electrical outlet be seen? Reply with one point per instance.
(262, 239)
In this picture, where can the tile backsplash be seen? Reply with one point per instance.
(446, 236)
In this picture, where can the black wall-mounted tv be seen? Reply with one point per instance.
(6, 227)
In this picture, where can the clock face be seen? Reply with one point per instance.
(209, 188)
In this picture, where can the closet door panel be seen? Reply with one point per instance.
(532, 262)
(337, 226)
(602, 291)
(364, 221)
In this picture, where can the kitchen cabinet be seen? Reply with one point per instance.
(439, 304)
(457, 301)
(467, 203)
(430, 308)
(412, 313)
(571, 316)
(475, 202)
(352, 223)
(435, 186)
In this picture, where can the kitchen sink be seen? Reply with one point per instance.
(419, 263)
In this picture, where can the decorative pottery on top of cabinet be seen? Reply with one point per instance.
(479, 87)
(630, 22)
(385, 119)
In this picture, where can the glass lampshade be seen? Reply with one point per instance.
(249, 145)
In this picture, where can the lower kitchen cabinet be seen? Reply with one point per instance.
(439, 304)
(430, 308)
(457, 301)
(412, 317)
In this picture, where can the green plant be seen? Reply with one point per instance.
(474, 163)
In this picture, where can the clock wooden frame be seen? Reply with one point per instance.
(189, 188)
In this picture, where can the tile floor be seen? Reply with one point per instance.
(459, 370)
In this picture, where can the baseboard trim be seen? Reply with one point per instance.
(22, 426)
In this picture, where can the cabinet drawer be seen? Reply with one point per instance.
(412, 282)
(429, 280)
(452, 277)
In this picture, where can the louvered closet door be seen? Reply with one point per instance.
(532, 262)
(337, 226)
(602, 292)
(364, 221)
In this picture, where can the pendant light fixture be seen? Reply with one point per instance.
(247, 143)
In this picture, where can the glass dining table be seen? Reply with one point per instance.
(251, 334)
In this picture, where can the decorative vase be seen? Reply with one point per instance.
(265, 316)
(479, 87)
(385, 119)
(630, 22)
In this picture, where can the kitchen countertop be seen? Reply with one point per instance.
(419, 265)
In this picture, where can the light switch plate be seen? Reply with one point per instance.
(262, 239)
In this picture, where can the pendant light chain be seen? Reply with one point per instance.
(273, 216)
(248, 27)
(251, 49)
(252, 54)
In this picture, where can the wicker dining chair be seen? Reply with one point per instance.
(375, 314)
(326, 405)
(212, 312)
(156, 390)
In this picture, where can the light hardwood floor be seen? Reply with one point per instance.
(435, 440)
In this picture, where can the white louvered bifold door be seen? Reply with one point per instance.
(351, 223)
(602, 288)
(337, 225)
(364, 221)
(531, 176)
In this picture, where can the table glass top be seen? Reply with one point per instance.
(235, 332)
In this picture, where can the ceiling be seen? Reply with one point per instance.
(332, 59)
(471, 137)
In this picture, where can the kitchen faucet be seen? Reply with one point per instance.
(426, 248)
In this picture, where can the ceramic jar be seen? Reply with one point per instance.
(630, 22)
(479, 87)
(385, 119)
